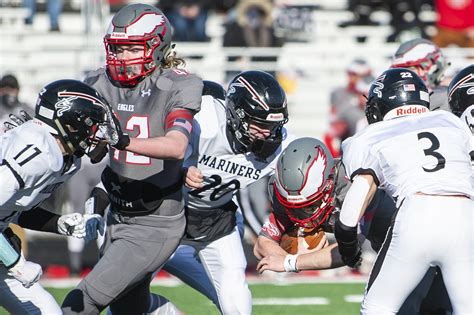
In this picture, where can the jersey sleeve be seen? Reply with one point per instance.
(278, 222)
(30, 154)
(184, 103)
(358, 158)
(11, 182)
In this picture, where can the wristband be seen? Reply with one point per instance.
(290, 263)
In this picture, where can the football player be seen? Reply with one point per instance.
(236, 142)
(435, 177)
(307, 191)
(154, 100)
(461, 96)
(37, 156)
(427, 60)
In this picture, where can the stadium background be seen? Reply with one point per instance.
(310, 63)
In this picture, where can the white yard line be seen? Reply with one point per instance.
(291, 301)
(173, 282)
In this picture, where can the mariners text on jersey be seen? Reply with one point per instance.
(230, 167)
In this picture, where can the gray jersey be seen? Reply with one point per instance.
(142, 112)
(145, 111)
(341, 98)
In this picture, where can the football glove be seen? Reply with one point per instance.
(27, 272)
(72, 225)
(94, 223)
(113, 133)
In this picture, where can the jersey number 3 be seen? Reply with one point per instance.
(431, 151)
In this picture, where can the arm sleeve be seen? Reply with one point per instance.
(39, 219)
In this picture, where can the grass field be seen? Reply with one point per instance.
(307, 298)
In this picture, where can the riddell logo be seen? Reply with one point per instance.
(296, 199)
(118, 35)
(405, 110)
(411, 110)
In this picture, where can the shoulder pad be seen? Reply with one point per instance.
(93, 76)
(171, 79)
(208, 118)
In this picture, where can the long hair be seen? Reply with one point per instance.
(171, 61)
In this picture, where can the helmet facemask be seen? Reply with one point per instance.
(129, 72)
(240, 123)
(314, 212)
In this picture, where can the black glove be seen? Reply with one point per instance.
(123, 141)
(348, 244)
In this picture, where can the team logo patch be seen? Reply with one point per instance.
(379, 85)
(65, 98)
(145, 92)
(271, 229)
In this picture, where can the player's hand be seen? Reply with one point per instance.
(94, 223)
(112, 131)
(72, 225)
(273, 262)
(351, 254)
(27, 272)
(194, 178)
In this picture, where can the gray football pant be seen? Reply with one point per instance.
(133, 250)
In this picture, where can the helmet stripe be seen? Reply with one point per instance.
(255, 95)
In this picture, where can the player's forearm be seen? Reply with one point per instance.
(172, 146)
(39, 220)
(326, 258)
(265, 246)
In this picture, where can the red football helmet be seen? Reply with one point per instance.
(304, 182)
(137, 24)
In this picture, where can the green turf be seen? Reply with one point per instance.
(191, 302)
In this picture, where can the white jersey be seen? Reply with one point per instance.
(31, 168)
(224, 171)
(426, 153)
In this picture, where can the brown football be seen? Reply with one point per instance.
(300, 240)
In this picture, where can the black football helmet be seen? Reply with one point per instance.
(256, 97)
(74, 110)
(393, 89)
(214, 89)
(461, 91)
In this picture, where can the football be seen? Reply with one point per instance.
(301, 240)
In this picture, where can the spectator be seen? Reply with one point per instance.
(398, 9)
(347, 104)
(250, 24)
(455, 24)
(54, 8)
(188, 18)
(9, 101)
(362, 10)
